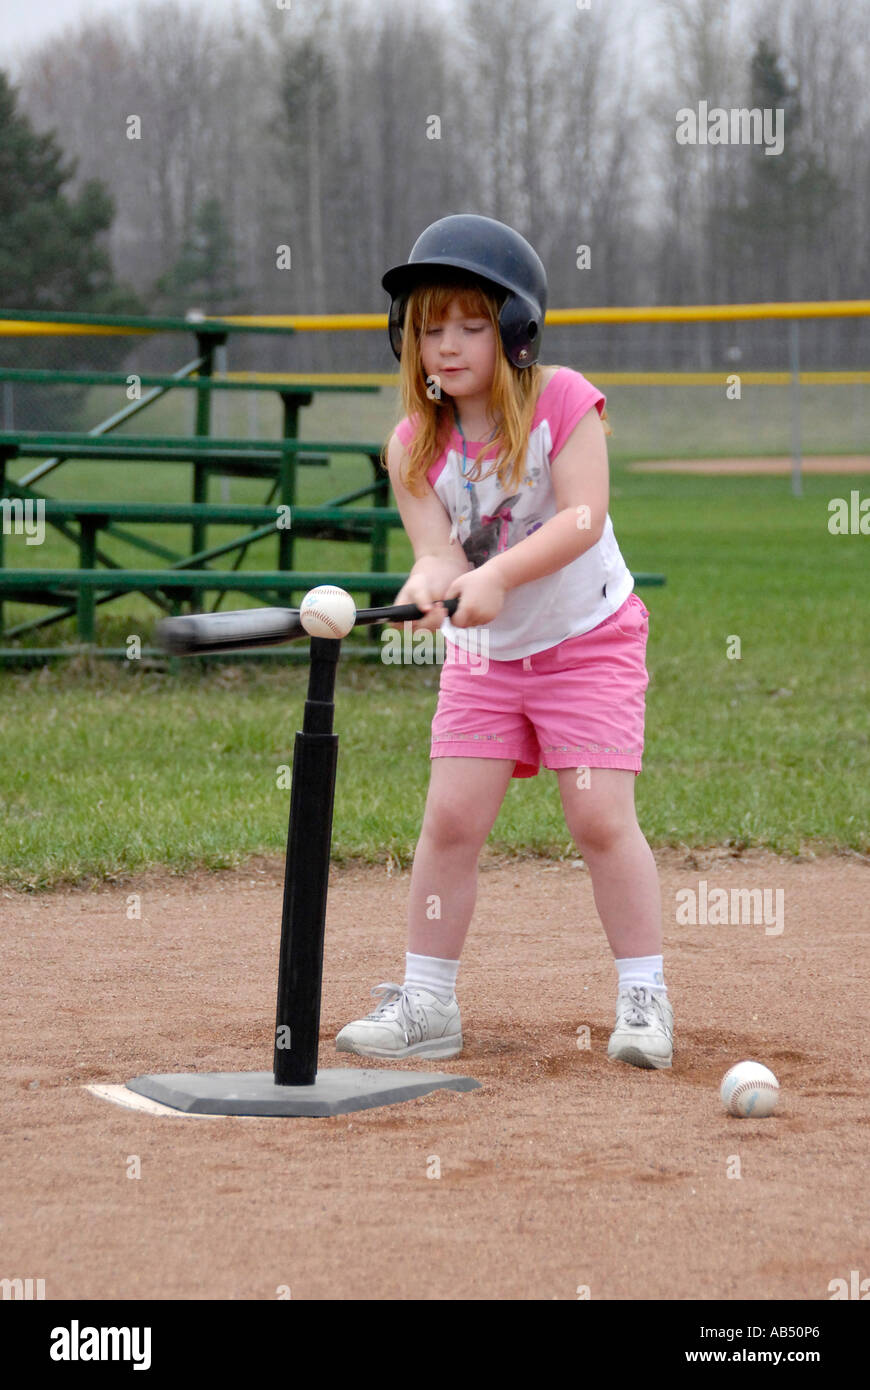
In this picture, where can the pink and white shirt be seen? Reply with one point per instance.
(485, 520)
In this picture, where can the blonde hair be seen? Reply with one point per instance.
(513, 395)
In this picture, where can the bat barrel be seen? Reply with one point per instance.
(217, 632)
(198, 633)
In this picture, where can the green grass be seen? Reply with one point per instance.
(105, 770)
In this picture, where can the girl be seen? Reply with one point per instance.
(500, 473)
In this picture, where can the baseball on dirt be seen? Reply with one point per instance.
(750, 1091)
(327, 611)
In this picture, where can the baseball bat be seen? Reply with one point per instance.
(194, 634)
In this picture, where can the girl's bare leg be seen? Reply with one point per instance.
(464, 798)
(625, 882)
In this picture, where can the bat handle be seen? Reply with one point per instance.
(409, 612)
(450, 604)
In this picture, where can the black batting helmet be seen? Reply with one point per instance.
(493, 253)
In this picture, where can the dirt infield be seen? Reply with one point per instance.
(565, 1171)
(845, 463)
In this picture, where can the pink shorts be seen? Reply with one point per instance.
(578, 704)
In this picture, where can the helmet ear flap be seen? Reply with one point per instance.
(397, 323)
(520, 327)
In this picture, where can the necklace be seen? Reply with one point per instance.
(467, 484)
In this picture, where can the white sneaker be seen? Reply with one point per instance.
(644, 1031)
(406, 1023)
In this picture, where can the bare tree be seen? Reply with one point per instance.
(343, 127)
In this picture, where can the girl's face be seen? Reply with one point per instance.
(460, 352)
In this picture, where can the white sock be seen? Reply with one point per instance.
(642, 970)
(432, 973)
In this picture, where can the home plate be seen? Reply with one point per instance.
(120, 1095)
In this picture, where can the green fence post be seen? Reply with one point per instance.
(85, 599)
(2, 494)
(381, 493)
(292, 402)
(206, 342)
(205, 348)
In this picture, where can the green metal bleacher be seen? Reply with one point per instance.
(178, 578)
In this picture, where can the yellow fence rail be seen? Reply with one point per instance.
(312, 323)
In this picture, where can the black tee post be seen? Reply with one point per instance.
(306, 877)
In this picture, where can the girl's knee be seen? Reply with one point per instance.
(463, 802)
(601, 834)
(602, 814)
(449, 828)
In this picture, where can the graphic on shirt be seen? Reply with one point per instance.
(487, 534)
(485, 522)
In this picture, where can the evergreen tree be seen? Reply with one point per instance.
(51, 259)
(204, 276)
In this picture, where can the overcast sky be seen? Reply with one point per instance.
(24, 23)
